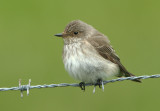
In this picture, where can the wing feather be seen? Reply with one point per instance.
(103, 47)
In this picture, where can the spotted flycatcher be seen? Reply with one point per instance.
(88, 55)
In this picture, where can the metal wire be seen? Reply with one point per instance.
(28, 86)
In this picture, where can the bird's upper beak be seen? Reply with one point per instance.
(59, 35)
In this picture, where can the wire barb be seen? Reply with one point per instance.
(102, 86)
(28, 87)
(20, 87)
(23, 87)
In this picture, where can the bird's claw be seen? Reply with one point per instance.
(99, 83)
(82, 85)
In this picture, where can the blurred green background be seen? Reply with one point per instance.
(28, 49)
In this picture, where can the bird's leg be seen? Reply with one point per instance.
(82, 85)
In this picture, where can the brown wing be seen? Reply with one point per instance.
(103, 47)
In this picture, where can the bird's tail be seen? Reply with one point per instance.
(125, 73)
(128, 74)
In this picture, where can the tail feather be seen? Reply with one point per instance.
(128, 74)
(125, 73)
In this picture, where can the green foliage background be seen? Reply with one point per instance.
(28, 49)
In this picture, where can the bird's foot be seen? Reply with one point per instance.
(100, 84)
(82, 85)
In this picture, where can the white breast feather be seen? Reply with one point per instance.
(86, 65)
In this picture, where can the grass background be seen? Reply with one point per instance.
(28, 49)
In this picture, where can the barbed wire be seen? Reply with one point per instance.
(28, 86)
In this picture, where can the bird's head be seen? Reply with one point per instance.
(76, 29)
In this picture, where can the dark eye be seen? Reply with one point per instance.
(75, 33)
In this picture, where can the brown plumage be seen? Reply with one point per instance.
(103, 47)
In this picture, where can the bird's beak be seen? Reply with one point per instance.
(59, 35)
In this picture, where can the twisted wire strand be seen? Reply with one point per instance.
(28, 86)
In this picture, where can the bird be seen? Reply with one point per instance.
(88, 55)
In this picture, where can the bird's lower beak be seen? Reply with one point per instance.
(59, 35)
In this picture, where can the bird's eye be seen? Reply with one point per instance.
(75, 33)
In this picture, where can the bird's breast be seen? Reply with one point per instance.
(85, 64)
